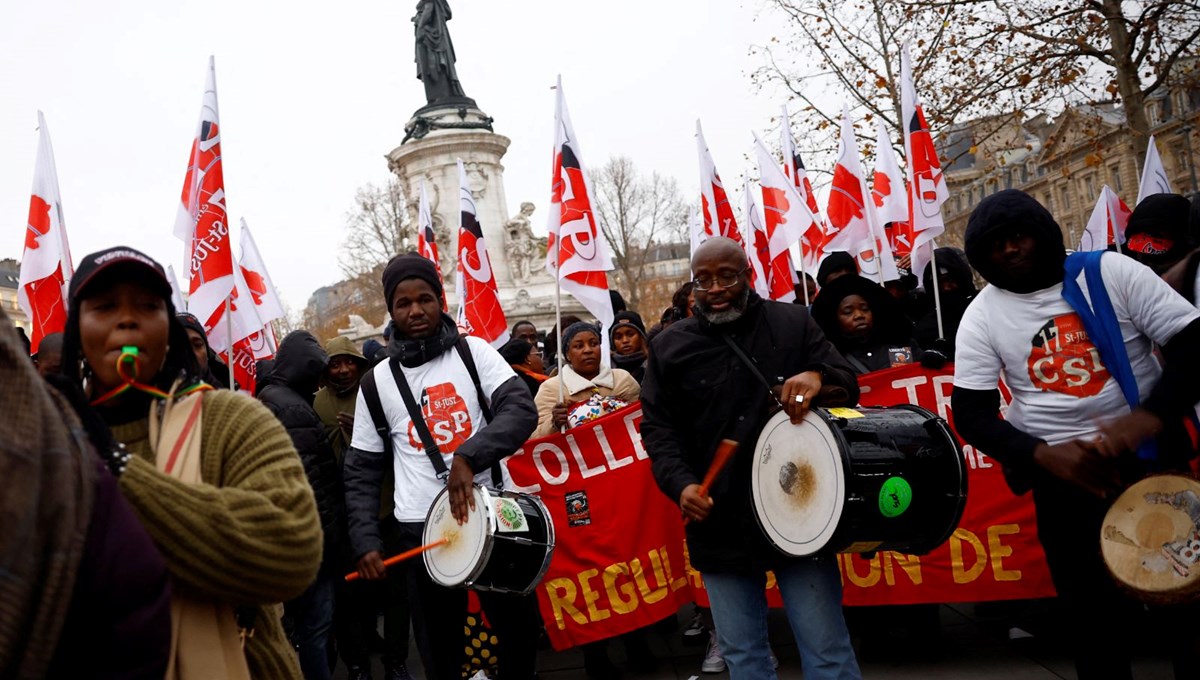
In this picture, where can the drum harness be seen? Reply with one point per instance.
(375, 406)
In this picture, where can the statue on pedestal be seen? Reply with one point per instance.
(435, 53)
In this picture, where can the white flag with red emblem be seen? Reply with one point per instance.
(244, 319)
(1107, 224)
(696, 233)
(1154, 175)
(926, 184)
(426, 239)
(788, 218)
(714, 203)
(46, 267)
(202, 222)
(812, 244)
(254, 271)
(887, 183)
(852, 213)
(773, 278)
(479, 311)
(576, 254)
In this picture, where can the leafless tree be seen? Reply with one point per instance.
(376, 229)
(636, 213)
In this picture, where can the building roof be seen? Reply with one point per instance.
(10, 273)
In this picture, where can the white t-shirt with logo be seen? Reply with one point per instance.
(1061, 388)
(444, 391)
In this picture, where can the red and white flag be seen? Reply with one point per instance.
(203, 223)
(812, 244)
(267, 304)
(696, 233)
(479, 311)
(852, 213)
(714, 203)
(1107, 224)
(788, 219)
(426, 239)
(926, 184)
(576, 254)
(46, 267)
(245, 372)
(1154, 175)
(890, 194)
(244, 319)
(772, 278)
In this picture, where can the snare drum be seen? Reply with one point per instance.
(505, 545)
(1150, 539)
(858, 480)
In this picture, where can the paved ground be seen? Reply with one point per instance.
(976, 643)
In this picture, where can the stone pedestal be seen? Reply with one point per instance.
(437, 138)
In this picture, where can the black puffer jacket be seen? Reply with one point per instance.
(288, 391)
(952, 265)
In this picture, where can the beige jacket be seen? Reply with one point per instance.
(610, 382)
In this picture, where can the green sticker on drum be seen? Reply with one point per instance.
(894, 497)
(509, 517)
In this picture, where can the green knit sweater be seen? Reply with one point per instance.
(249, 535)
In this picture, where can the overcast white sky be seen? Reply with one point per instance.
(312, 95)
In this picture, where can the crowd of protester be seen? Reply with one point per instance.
(218, 515)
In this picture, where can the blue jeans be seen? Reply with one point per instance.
(312, 614)
(812, 598)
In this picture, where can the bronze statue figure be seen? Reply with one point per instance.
(435, 53)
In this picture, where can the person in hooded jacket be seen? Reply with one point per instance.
(208, 361)
(628, 344)
(287, 391)
(836, 264)
(865, 324)
(1069, 433)
(1157, 233)
(956, 287)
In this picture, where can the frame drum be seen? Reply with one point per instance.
(1150, 539)
(858, 480)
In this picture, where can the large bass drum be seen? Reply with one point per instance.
(505, 545)
(1150, 539)
(858, 480)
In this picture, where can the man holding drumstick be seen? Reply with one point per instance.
(718, 375)
(1069, 433)
(427, 354)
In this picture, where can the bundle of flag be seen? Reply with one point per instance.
(926, 184)
(812, 243)
(714, 203)
(426, 240)
(1106, 226)
(479, 311)
(854, 227)
(46, 267)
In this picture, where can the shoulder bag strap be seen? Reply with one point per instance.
(418, 420)
(464, 353)
(375, 408)
(750, 365)
(1100, 321)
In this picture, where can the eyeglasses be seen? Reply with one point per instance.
(722, 280)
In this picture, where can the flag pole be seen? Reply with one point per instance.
(229, 330)
(558, 329)
(937, 293)
(803, 275)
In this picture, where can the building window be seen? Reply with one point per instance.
(1153, 114)
(1066, 198)
(1115, 173)
(1089, 184)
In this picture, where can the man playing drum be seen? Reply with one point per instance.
(427, 354)
(1069, 433)
(700, 390)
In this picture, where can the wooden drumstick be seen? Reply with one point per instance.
(724, 452)
(396, 559)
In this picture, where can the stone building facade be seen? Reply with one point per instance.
(10, 272)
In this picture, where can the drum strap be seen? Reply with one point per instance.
(375, 407)
(750, 365)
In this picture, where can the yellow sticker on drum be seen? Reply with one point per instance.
(509, 517)
(843, 412)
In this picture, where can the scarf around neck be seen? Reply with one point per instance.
(573, 382)
(413, 352)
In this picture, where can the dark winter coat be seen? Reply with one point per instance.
(288, 392)
(698, 392)
(951, 262)
(891, 329)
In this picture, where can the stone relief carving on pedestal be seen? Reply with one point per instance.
(522, 249)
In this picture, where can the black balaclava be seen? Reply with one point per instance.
(1002, 214)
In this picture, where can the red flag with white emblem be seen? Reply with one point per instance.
(714, 203)
(812, 243)
(426, 239)
(926, 184)
(576, 254)
(202, 221)
(851, 212)
(479, 309)
(46, 267)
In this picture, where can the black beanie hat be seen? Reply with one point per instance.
(516, 351)
(577, 328)
(836, 261)
(1157, 233)
(190, 322)
(410, 266)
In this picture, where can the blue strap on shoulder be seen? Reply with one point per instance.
(1100, 321)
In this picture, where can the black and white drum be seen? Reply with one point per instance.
(505, 545)
(858, 480)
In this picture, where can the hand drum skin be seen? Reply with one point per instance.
(1150, 539)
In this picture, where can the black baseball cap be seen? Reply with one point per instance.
(119, 258)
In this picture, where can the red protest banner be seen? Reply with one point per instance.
(618, 561)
